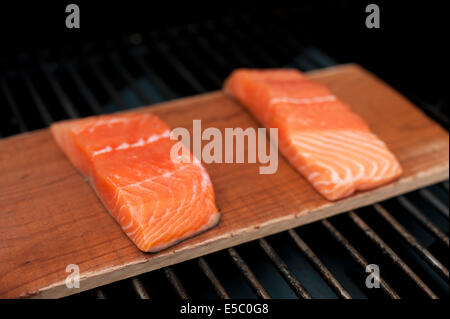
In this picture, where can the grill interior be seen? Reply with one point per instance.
(407, 236)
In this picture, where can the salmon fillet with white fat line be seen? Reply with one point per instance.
(329, 144)
(126, 158)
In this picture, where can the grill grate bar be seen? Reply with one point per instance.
(181, 69)
(262, 37)
(221, 61)
(209, 273)
(234, 50)
(436, 202)
(195, 60)
(108, 86)
(319, 265)
(248, 274)
(425, 221)
(264, 57)
(239, 55)
(62, 97)
(13, 105)
(85, 91)
(309, 59)
(357, 256)
(45, 114)
(284, 270)
(139, 288)
(413, 242)
(218, 58)
(305, 61)
(311, 56)
(389, 252)
(176, 283)
(129, 79)
(287, 35)
(155, 78)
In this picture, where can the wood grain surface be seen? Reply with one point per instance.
(50, 217)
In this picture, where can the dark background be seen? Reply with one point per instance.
(49, 73)
(408, 49)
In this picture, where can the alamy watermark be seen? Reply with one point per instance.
(73, 279)
(233, 145)
(73, 17)
(373, 279)
(373, 19)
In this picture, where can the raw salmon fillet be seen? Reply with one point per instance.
(329, 144)
(126, 158)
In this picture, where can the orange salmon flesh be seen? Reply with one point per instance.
(126, 158)
(329, 144)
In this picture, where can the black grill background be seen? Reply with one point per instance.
(125, 57)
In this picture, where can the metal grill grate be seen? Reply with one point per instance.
(326, 259)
